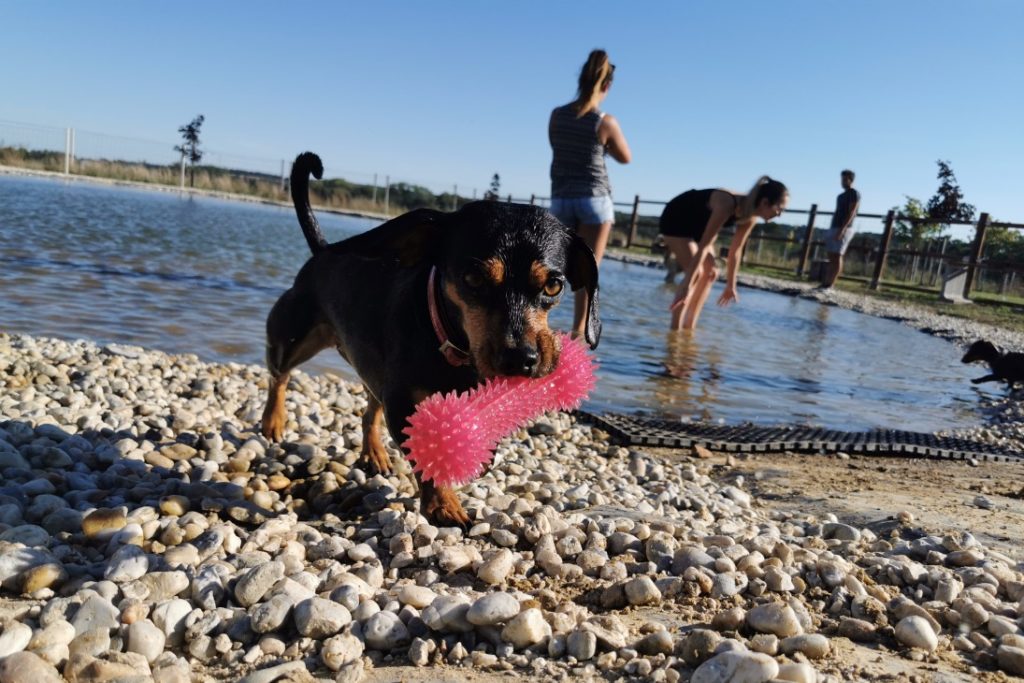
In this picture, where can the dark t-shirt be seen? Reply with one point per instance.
(844, 205)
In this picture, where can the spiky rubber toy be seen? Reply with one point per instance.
(451, 437)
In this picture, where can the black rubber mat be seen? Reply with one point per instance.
(639, 431)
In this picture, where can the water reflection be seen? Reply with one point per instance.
(689, 382)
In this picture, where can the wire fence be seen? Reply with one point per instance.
(879, 254)
(85, 152)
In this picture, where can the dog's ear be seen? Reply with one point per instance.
(582, 272)
(409, 238)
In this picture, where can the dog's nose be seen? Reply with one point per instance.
(519, 360)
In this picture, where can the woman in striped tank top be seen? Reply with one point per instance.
(580, 136)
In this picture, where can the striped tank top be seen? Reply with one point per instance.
(577, 163)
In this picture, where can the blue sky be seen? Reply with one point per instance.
(444, 93)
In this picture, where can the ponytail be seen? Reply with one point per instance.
(595, 75)
(765, 188)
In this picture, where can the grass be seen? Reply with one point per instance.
(1003, 312)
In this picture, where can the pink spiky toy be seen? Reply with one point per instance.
(451, 437)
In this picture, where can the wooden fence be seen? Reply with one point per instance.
(880, 254)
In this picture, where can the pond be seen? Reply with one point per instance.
(198, 275)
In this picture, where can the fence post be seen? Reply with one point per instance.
(633, 221)
(883, 249)
(181, 181)
(805, 252)
(533, 199)
(979, 244)
(67, 151)
(510, 198)
(387, 195)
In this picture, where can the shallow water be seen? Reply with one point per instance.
(196, 275)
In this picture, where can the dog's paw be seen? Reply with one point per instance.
(272, 425)
(443, 508)
(374, 459)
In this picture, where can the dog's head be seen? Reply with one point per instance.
(503, 267)
(981, 350)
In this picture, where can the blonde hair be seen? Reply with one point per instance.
(764, 188)
(595, 75)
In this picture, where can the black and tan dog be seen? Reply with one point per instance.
(427, 302)
(1005, 367)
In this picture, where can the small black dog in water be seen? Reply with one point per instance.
(1006, 367)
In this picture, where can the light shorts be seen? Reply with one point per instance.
(575, 211)
(835, 246)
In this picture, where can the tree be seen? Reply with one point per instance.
(948, 203)
(190, 146)
(912, 224)
(495, 190)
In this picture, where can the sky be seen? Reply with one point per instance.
(708, 94)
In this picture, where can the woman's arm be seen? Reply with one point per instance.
(732, 264)
(610, 134)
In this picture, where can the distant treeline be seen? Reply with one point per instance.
(333, 193)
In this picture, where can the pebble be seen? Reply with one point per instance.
(14, 638)
(341, 651)
(24, 667)
(1011, 659)
(526, 628)
(916, 632)
(493, 609)
(318, 618)
(385, 631)
(811, 645)
(736, 667)
(775, 618)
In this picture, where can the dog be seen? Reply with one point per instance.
(426, 302)
(1006, 367)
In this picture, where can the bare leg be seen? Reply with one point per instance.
(702, 287)
(683, 250)
(596, 237)
(835, 266)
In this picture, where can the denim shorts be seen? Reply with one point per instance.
(835, 246)
(574, 211)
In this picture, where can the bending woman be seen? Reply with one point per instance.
(690, 225)
(580, 136)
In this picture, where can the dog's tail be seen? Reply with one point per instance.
(305, 164)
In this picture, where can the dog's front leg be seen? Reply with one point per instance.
(373, 455)
(986, 378)
(439, 504)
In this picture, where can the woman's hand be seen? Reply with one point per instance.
(680, 300)
(728, 296)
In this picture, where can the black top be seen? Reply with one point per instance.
(688, 214)
(844, 205)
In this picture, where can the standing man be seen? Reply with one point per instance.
(841, 232)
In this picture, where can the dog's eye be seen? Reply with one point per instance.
(473, 279)
(553, 287)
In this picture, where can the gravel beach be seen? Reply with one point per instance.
(147, 532)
